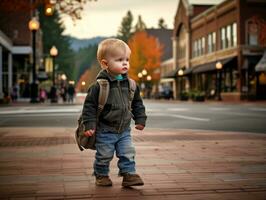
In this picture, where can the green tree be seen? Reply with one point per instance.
(140, 25)
(125, 30)
(162, 24)
(84, 59)
(52, 29)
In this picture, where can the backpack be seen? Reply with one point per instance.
(84, 142)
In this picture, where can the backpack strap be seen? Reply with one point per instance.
(132, 89)
(103, 94)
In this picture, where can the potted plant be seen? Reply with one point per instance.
(184, 96)
(197, 95)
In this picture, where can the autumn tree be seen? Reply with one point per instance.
(146, 54)
(125, 30)
(88, 77)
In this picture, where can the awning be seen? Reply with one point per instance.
(211, 66)
(171, 74)
(174, 73)
(261, 66)
(187, 71)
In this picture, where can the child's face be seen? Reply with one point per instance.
(118, 62)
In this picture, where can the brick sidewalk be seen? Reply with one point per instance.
(45, 163)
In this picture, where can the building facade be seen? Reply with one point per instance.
(16, 49)
(217, 49)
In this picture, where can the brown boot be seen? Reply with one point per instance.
(103, 181)
(131, 180)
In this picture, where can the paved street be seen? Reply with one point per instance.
(245, 117)
(181, 154)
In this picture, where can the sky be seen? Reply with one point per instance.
(104, 17)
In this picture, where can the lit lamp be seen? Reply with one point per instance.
(53, 53)
(148, 78)
(49, 9)
(180, 73)
(144, 72)
(83, 83)
(34, 26)
(219, 67)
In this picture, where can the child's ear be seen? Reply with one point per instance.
(104, 63)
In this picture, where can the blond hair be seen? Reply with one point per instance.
(109, 47)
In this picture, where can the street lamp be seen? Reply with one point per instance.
(144, 72)
(219, 67)
(180, 74)
(53, 53)
(34, 26)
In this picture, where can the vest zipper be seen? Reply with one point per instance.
(122, 100)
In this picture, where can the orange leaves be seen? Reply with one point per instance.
(146, 54)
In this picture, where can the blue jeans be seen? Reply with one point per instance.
(109, 142)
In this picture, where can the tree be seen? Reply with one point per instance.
(52, 29)
(73, 8)
(162, 24)
(146, 54)
(84, 59)
(88, 77)
(140, 25)
(125, 30)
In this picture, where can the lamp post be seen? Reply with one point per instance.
(34, 26)
(53, 53)
(143, 82)
(180, 74)
(219, 67)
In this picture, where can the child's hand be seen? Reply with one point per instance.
(139, 127)
(89, 133)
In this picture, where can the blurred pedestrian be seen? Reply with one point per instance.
(71, 93)
(42, 95)
(63, 93)
(14, 93)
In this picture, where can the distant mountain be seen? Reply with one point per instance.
(76, 43)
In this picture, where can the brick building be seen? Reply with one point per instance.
(16, 48)
(229, 35)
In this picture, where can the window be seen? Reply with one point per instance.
(252, 33)
(203, 45)
(228, 37)
(234, 35)
(181, 43)
(199, 47)
(195, 49)
(223, 41)
(210, 43)
(213, 41)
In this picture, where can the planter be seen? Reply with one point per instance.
(184, 98)
(199, 98)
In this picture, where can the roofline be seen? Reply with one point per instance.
(214, 7)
